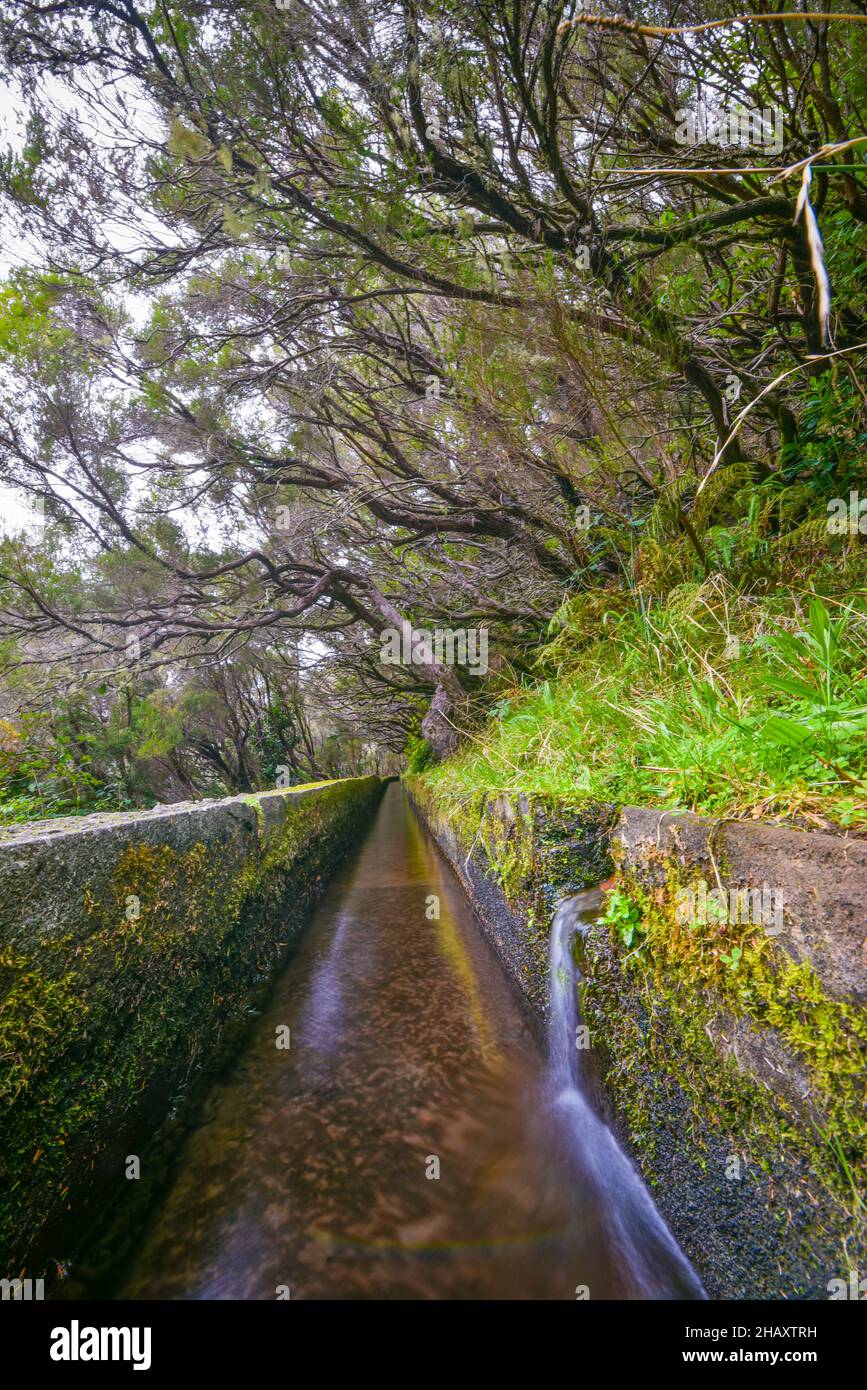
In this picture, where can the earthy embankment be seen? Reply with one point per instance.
(132, 949)
(728, 1036)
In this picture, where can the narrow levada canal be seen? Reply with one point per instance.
(408, 1143)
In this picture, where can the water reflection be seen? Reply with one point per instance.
(311, 1169)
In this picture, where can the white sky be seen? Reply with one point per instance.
(17, 513)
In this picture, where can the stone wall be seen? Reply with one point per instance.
(515, 859)
(132, 950)
(736, 1036)
(724, 994)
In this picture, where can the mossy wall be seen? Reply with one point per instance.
(733, 1058)
(737, 1049)
(516, 856)
(132, 949)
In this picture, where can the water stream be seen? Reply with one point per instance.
(636, 1233)
(413, 1141)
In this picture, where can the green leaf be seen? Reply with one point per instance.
(788, 732)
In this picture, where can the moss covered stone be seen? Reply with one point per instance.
(131, 950)
(733, 1060)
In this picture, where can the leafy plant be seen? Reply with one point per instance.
(624, 915)
(418, 753)
(830, 713)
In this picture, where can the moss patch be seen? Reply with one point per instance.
(109, 1023)
(673, 1005)
(734, 1077)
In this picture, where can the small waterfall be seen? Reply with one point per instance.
(572, 917)
(652, 1263)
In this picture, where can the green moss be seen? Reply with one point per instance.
(521, 838)
(660, 998)
(510, 849)
(106, 1026)
(658, 1007)
(34, 1012)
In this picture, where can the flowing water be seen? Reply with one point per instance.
(413, 1141)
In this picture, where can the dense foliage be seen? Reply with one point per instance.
(327, 319)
